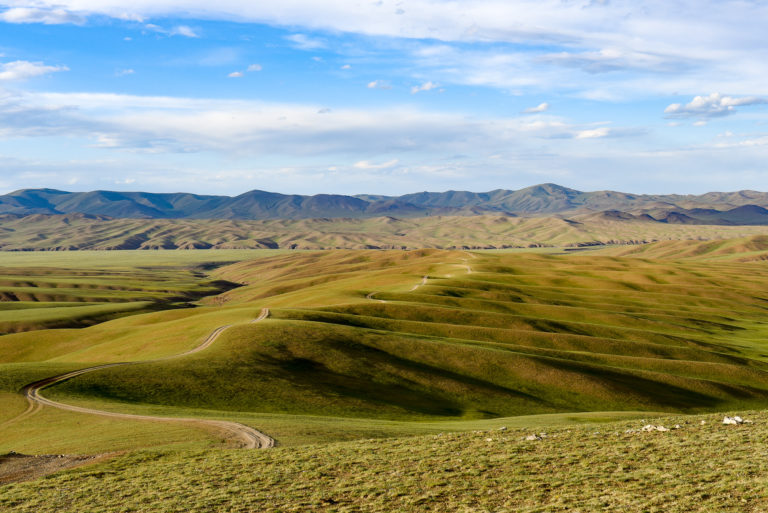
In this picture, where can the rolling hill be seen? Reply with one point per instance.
(544, 199)
(364, 348)
(81, 231)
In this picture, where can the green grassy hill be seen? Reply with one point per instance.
(45, 290)
(361, 353)
(488, 335)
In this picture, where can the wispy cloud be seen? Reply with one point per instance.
(366, 164)
(304, 42)
(236, 74)
(179, 30)
(173, 125)
(124, 72)
(713, 106)
(22, 70)
(542, 107)
(50, 16)
(379, 84)
(593, 133)
(426, 86)
(640, 48)
(184, 30)
(254, 67)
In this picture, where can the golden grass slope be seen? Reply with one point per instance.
(74, 232)
(488, 335)
(744, 249)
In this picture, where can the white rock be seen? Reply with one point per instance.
(503, 428)
(738, 419)
(678, 426)
(661, 428)
(533, 438)
(703, 422)
(729, 421)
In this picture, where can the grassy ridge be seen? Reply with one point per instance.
(697, 468)
(745, 249)
(53, 292)
(498, 231)
(519, 334)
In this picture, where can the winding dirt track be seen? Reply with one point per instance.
(248, 437)
(422, 282)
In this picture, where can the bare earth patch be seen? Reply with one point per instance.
(15, 467)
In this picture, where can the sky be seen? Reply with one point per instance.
(383, 96)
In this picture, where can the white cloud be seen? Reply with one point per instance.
(184, 30)
(51, 16)
(254, 67)
(22, 70)
(379, 84)
(712, 106)
(124, 72)
(426, 86)
(346, 66)
(641, 47)
(365, 164)
(230, 127)
(236, 74)
(594, 133)
(304, 42)
(179, 30)
(542, 107)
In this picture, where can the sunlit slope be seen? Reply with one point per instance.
(34, 297)
(74, 232)
(744, 249)
(487, 335)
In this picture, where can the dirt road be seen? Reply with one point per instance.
(247, 437)
(422, 282)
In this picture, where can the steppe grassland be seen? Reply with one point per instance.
(520, 334)
(699, 323)
(76, 289)
(703, 466)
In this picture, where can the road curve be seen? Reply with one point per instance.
(248, 437)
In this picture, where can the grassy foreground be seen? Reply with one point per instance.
(698, 467)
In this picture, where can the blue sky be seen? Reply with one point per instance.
(387, 96)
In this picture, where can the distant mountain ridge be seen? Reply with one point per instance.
(738, 208)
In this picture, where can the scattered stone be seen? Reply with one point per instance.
(533, 438)
(650, 427)
(678, 426)
(733, 421)
(703, 422)
(489, 439)
(503, 428)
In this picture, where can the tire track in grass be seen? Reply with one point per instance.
(248, 437)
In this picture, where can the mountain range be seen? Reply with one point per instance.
(719, 208)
